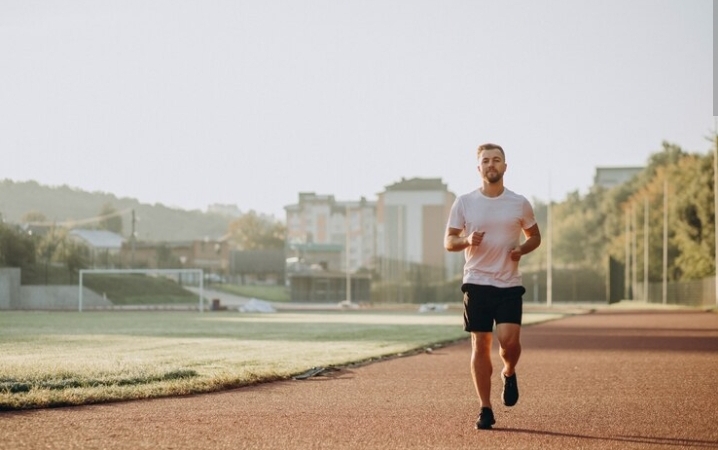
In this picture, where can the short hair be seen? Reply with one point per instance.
(490, 146)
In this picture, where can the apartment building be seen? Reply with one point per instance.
(320, 229)
(403, 229)
(411, 222)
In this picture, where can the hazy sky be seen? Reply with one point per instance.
(189, 103)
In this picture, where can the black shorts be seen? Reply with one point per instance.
(484, 305)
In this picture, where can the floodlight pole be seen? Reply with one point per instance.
(634, 252)
(80, 294)
(346, 250)
(645, 249)
(715, 204)
(549, 255)
(627, 249)
(664, 290)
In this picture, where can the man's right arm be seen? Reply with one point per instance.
(454, 241)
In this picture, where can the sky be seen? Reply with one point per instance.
(190, 103)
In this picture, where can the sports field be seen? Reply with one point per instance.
(71, 358)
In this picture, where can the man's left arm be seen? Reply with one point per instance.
(533, 240)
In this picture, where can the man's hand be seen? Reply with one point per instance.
(515, 253)
(475, 238)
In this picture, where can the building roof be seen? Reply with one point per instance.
(99, 238)
(312, 247)
(258, 261)
(608, 177)
(418, 184)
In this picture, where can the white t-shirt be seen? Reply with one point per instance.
(502, 219)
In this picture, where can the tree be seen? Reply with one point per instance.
(33, 216)
(695, 218)
(76, 256)
(17, 249)
(254, 232)
(111, 220)
(48, 245)
(691, 218)
(165, 258)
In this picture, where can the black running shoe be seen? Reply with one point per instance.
(485, 420)
(510, 394)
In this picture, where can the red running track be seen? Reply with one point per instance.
(612, 379)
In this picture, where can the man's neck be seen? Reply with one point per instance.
(492, 189)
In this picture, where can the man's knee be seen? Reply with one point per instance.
(509, 335)
(481, 342)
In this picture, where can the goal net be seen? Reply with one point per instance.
(142, 288)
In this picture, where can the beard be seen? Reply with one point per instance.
(493, 176)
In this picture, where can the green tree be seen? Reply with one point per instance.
(578, 230)
(111, 219)
(254, 232)
(17, 249)
(695, 218)
(690, 225)
(75, 256)
(48, 246)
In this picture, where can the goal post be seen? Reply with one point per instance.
(198, 272)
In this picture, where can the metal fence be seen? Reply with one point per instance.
(700, 293)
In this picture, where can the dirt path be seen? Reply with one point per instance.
(614, 379)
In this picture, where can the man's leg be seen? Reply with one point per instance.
(481, 368)
(510, 350)
(509, 336)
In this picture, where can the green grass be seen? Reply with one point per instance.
(138, 289)
(268, 293)
(69, 358)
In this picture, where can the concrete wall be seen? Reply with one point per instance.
(59, 298)
(9, 288)
(14, 296)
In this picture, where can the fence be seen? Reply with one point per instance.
(700, 293)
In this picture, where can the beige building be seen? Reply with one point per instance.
(411, 222)
(320, 229)
(393, 236)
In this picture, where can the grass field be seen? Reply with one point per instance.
(69, 358)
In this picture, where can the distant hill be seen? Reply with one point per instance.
(154, 222)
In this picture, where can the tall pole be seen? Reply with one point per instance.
(664, 289)
(400, 250)
(645, 249)
(132, 237)
(715, 204)
(346, 250)
(627, 267)
(549, 256)
(549, 249)
(634, 259)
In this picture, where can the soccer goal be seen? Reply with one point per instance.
(193, 274)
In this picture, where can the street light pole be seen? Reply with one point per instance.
(549, 258)
(715, 204)
(664, 287)
(346, 250)
(645, 249)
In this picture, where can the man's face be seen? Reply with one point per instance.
(492, 165)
